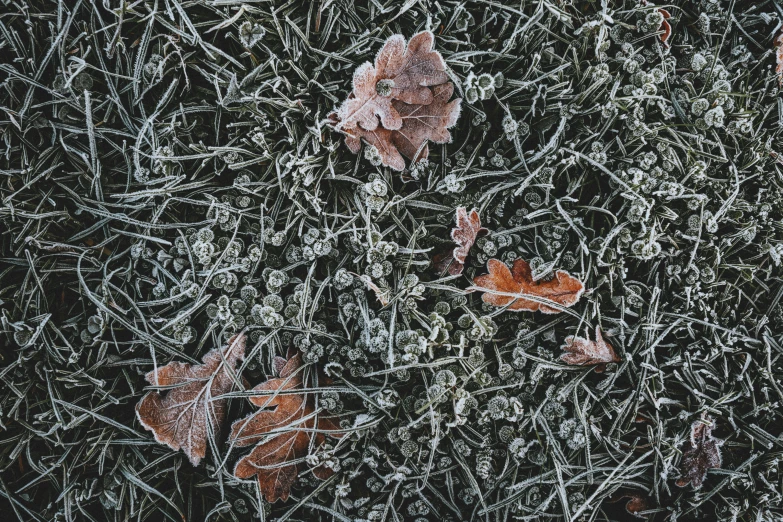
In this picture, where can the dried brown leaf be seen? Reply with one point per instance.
(701, 454)
(466, 232)
(584, 352)
(502, 287)
(282, 431)
(779, 58)
(406, 72)
(637, 501)
(420, 124)
(181, 416)
(666, 27)
(424, 123)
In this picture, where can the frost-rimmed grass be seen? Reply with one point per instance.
(158, 176)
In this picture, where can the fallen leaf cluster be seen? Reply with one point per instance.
(400, 103)
(191, 412)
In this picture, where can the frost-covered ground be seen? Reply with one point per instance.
(174, 173)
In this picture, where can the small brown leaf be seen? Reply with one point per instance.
(466, 232)
(779, 58)
(666, 27)
(281, 431)
(181, 417)
(406, 72)
(637, 501)
(701, 454)
(502, 287)
(584, 352)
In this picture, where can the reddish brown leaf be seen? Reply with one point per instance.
(281, 431)
(637, 501)
(381, 139)
(406, 72)
(181, 416)
(420, 124)
(423, 123)
(666, 27)
(584, 352)
(702, 452)
(466, 232)
(502, 287)
(779, 58)
(401, 103)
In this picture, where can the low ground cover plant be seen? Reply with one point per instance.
(377, 260)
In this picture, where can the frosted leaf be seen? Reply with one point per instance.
(464, 235)
(420, 124)
(701, 454)
(504, 287)
(401, 73)
(181, 416)
(584, 352)
(281, 431)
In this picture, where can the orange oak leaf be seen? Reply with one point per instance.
(466, 232)
(182, 416)
(637, 502)
(420, 124)
(584, 352)
(502, 287)
(702, 453)
(282, 432)
(401, 73)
